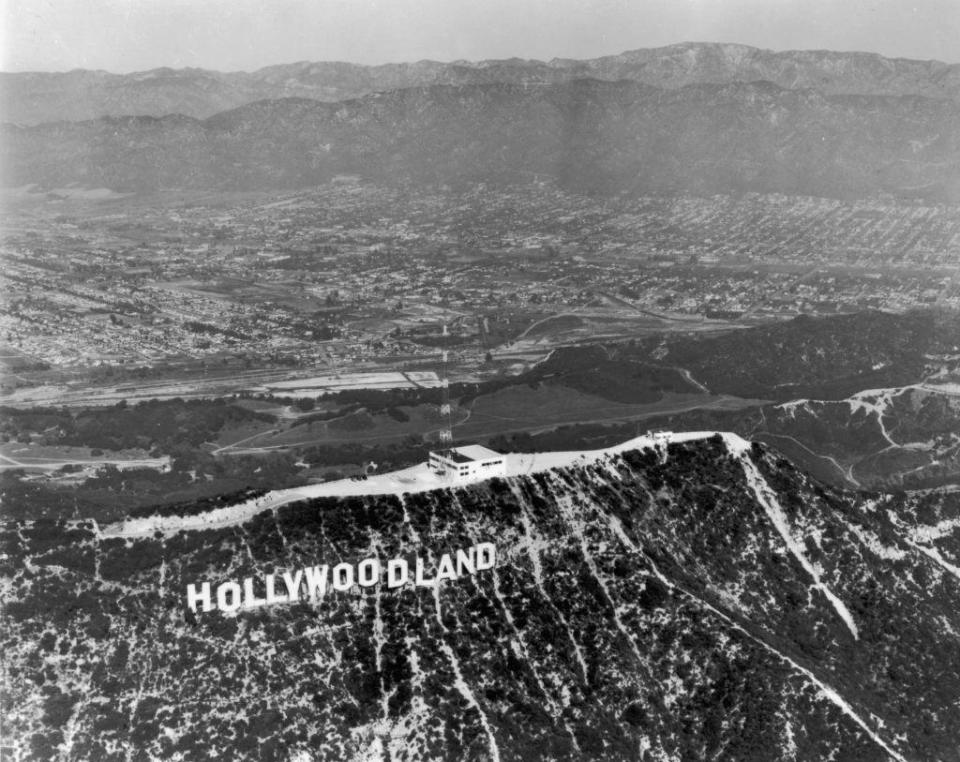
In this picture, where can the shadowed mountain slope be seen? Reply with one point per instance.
(588, 135)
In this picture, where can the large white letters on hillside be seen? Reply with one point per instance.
(312, 582)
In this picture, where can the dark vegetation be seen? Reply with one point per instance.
(113, 493)
(162, 426)
(591, 370)
(636, 656)
(819, 358)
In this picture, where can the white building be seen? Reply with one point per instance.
(470, 462)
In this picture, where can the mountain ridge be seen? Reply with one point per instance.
(415, 479)
(588, 135)
(687, 599)
(36, 97)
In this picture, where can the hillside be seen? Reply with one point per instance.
(673, 598)
(35, 97)
(889, 438)
(586, 135)
(828, 357)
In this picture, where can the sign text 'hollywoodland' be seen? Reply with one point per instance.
(313, 582)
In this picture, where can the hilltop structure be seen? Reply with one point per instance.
(444, 467)
(468, 463)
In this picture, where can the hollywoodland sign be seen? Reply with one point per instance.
(313, 582)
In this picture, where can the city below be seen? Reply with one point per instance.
(356, 276)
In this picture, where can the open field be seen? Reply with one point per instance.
(280, 382)
(354, 427)
(320, 385)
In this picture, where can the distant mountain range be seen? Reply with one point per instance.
(588, 135)
(32, 98)
(698, 118)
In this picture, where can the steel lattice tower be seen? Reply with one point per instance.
(446, 433)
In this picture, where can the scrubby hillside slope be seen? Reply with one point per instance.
(669, 600)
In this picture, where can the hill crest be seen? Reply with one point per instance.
(36, 97)
(413, 480)
(687, 600)
(588, 135)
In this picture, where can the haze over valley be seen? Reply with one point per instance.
(702, 301)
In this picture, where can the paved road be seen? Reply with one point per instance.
(53, 465)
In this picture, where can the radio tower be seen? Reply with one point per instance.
(446, 433)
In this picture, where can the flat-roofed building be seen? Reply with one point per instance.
(468, 462)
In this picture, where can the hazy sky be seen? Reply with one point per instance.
(133, 35)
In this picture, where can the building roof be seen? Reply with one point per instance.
(468, 453)
(455, 456)
(476, 452)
